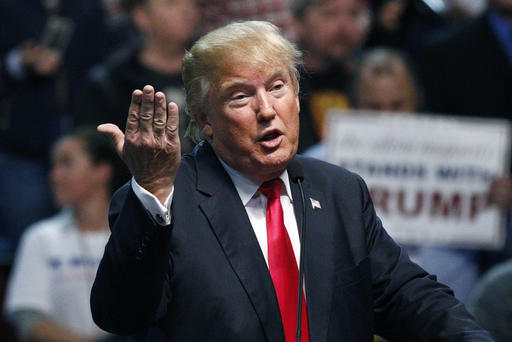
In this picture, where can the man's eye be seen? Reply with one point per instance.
(238, 96)
(278, 86)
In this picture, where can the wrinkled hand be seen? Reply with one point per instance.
(151, 146)
(501, 193)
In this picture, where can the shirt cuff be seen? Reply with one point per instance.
(161, 214)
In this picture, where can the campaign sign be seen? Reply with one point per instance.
(428, 176)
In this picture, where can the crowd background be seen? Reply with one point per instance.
(70, 63)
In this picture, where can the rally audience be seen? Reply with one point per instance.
(385, 81)
(48, 47)
(330, 33)
(469, 71)
(167, 28)
(216, 13)
(48, 294)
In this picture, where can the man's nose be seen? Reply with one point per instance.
(265, 108)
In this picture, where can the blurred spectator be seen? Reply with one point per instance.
(216, 13)
(48, 293)
(385, 81)
(46, 48)
(491, 302)
(330, 33)
(469, 71)
(167, 28)
(408, 24)
(403, 24)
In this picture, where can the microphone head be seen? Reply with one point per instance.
(295, 171)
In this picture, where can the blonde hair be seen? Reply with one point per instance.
(249, 42)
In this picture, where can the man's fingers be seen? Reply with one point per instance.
(173, 121)
(115, 134)
(147, 109)
(132, 122)
(160, 117)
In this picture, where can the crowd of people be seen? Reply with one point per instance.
(66, 66)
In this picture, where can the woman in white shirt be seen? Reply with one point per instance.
(48, 292)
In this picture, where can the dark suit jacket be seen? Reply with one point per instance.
(467, 73)
(204, 278)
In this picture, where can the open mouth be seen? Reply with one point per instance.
(270, 136)
(271, 139)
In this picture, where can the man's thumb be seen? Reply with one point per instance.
(115, 134)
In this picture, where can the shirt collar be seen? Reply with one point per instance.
(246, 188)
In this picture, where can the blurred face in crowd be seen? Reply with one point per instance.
(167, 21)
(253, 119)
(334, 29)
(394, 91)
(73, 176)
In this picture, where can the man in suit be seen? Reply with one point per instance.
(193, 247)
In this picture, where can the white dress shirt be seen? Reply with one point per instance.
(254, 202)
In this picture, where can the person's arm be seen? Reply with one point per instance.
(500, 193)
(129, 291)
(409, 304)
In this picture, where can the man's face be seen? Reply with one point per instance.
(333, 29)
(253, 120)
(73, 176)
(394, 92)
(169, 20)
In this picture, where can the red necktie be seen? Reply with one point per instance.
(282, 264)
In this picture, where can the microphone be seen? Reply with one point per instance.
(296, 174)
(295, 171)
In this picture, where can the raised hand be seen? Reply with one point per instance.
(150, 146)
(501, 193)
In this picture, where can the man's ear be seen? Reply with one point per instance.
(203, 123)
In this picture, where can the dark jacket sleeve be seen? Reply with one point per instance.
(409, 304)
(130, 293)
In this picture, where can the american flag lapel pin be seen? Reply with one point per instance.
(315, 204)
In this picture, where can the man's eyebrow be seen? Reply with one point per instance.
(240, 82)
(234, 83)
(277, 74)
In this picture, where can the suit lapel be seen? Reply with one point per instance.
(318, 258)
(230, 223)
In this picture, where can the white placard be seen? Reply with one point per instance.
(429, 176)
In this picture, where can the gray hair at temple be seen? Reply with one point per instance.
(247, 43)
